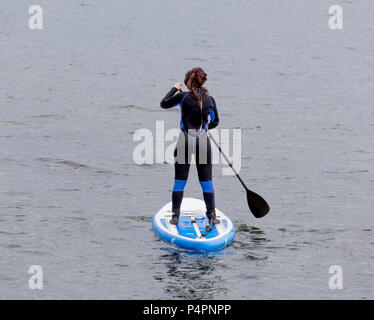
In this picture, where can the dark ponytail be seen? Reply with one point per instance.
(194, 80)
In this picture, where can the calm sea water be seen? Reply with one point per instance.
(73, 201)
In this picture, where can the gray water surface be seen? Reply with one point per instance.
(73, 201)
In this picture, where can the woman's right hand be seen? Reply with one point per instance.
(178, 86)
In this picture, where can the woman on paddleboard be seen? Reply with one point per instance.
(197, 106)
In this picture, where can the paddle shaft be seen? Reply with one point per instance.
(228, 161)
(256, 203)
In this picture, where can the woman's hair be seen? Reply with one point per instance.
(194, 79)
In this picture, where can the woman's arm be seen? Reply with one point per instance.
(171, 99)
(214, 119)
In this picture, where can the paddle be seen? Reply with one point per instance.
(256, 203)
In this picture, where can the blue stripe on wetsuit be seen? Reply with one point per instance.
(212, 113)
(179, 185)
(207, 186)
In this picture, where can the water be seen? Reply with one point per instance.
(73, 201)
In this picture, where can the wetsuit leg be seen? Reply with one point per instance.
(204, 170)
(182, 160)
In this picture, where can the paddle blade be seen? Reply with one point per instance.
(257, 204)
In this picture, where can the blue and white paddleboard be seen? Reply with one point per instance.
(192, 222)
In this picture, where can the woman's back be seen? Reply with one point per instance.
(193, 117)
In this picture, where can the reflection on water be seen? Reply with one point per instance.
(249, 237)
(197, 275)
(191, 275)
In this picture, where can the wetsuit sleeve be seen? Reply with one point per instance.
(171, 99)
(214, 119)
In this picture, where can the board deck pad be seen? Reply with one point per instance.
(185, 227)
(192, 225)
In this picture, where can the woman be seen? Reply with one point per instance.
(196, 106)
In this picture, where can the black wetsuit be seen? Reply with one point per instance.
(193, 139)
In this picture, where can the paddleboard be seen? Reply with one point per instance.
(189, 233)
